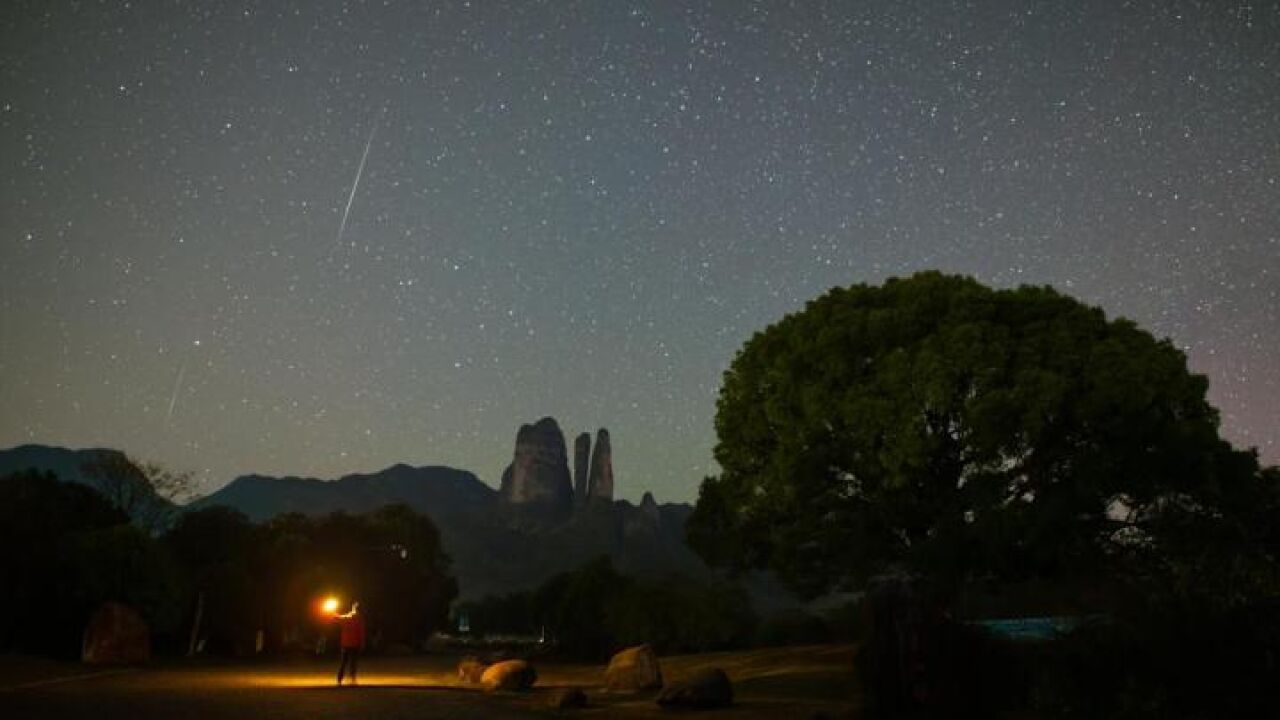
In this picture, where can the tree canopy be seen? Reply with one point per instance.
(213, 579)
(933, 424)
(594, 611)
(64, 549)
(145, 491)
(267, 576)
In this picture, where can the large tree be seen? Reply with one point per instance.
(934, 425)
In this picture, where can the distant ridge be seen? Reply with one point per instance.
(434, 490)
(147, 509)
(496, 547)
(67, 464)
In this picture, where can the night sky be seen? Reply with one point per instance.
(583, 209)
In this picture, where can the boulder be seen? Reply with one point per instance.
(703, 690)
(471, 669)
(633, 669)
(566, 698)
(116, 634)
(581, 465)
(539, 471)
(600, 479)
(509, 675)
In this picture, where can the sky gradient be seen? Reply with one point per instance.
(583, 209)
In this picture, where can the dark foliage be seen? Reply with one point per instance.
(145, 491)
(939, 426)
(594, 611)
(65, 549)
(1199, 661)
(268, 577)
(795, 627)
(954, 436)
(916, 660)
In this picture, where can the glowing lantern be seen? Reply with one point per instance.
(330, 605)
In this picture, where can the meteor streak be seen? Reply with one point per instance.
(342, 228)
(177, 386)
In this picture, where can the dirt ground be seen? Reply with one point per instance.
(796, 682)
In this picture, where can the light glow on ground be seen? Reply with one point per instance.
(326, 679)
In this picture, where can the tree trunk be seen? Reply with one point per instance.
(195, 624)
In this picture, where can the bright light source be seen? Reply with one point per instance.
(330, 605)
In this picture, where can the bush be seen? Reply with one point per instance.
(791, 627)
(64, 550)
(1184, 662)
(915, 660)
(594, 611)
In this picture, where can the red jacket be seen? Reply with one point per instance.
(353, 632)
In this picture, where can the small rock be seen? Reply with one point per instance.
(566, 698)
(509, 675)
(703, 690)
(633, 669)
(471, 669)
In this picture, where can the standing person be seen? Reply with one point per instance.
(352, 641)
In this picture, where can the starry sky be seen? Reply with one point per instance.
(319, 237)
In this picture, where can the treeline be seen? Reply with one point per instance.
(931, 436)
(213, 581)
(594, 611)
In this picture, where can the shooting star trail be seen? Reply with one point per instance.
(342, 228)
(177, 387)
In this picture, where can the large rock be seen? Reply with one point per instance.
(116, 634)
(703, 690)
(471, 669)
(566, 698)
(581, 465)
(633, 669)
(539, 472)
(509, 675)
(600, 480)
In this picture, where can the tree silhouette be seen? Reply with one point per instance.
(147, 492)
(934, 425)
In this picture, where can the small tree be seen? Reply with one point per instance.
(147, 492)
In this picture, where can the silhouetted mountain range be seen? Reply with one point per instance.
(496, 546)
(68, 465)
(435, 491)
(108, 471)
